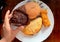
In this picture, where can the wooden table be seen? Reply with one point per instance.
(55, 7)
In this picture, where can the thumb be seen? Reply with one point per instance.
(19, 29)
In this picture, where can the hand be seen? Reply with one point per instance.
(8, 33)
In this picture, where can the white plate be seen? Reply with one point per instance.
(43, 33)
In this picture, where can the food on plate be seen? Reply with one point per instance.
(32, 9)
(22, 9)
(32, 16)
(19, 18)
(45, 19)
(34, 26)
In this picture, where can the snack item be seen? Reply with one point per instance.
(32, 9)
(45, 19)
(19, 18)
(34, 27)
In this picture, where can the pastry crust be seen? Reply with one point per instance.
(34, 27)
(32, 9)
(45, 18)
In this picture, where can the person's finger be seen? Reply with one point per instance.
(10, 16)
(6, 21)
(19, 29)
(7, 13)
(6, 17)
(6, 28)
(3, 26)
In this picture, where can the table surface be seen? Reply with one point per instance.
(55, 7)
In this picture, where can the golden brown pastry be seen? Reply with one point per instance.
(33, 27)
(45, 19)
(32, 9)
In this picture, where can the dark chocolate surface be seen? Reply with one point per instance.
(19, 17)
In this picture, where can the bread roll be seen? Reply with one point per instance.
(32, 9)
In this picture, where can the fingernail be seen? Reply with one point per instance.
(22, 26)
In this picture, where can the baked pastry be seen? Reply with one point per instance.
(32, 9)
(45, 19)
(34, 27)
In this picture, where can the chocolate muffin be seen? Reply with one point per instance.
(19, 18)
